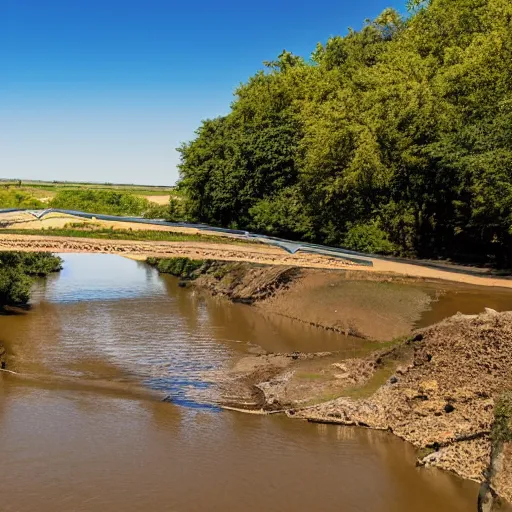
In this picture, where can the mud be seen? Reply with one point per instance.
(437, 390)
(442, 399)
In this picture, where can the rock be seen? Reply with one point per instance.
(448, 408)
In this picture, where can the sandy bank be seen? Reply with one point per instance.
(439, 390)
(266, 254)
(257, 253)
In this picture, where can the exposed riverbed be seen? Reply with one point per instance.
(83, 428)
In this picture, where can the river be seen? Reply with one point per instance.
(84, 427)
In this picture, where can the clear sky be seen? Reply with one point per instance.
(105, 90)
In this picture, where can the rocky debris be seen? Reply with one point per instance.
(444, 400)
(466, 458)
(502, 479)
(356, 372)
(261, 382)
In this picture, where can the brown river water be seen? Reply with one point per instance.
(83, 427)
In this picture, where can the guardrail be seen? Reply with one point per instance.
(288, 245)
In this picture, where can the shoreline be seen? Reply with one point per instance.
(426, 386)
(435, 387)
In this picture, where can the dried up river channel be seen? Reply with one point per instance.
(83, 428)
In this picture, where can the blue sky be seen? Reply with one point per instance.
(105, 90)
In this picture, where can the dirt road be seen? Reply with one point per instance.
(256, 253)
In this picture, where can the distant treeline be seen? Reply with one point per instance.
(17, 270)
(396, 138)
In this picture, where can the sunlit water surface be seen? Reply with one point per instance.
(86, 430)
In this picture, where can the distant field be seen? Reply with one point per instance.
(42, 189)
(38, 194)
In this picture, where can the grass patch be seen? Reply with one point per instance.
(310, 376)
(502, 429)
(127, 234)
(18, 199)
(55, 187)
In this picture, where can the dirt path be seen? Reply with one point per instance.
(256, 253)
(385, 266)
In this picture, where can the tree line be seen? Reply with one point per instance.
(396, 138)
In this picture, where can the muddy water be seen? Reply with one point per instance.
(83, 427)
(449, 299)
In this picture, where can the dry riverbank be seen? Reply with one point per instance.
(436, 387)
(439, 390)
(443, 397)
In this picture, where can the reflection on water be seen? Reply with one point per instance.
(107, 317)
(78, 436)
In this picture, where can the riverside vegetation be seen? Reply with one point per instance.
(17, 271)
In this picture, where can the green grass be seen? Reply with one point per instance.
(378, 379)
(56, 186)
(126, 234)
(185, 268)
(310, 376)
(502, 428)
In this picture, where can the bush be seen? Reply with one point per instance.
(100, 201)
(284, 214)
(369, 238)
(179, 267)
(171, 212)
(16, 270)
(17, 199)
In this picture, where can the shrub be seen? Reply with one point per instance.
(17, 199)
(16, 270)
(179, 267)
(368, 238)
(284, 214)
(100, 201)
(174, 211)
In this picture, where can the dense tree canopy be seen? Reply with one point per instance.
(395, 138)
